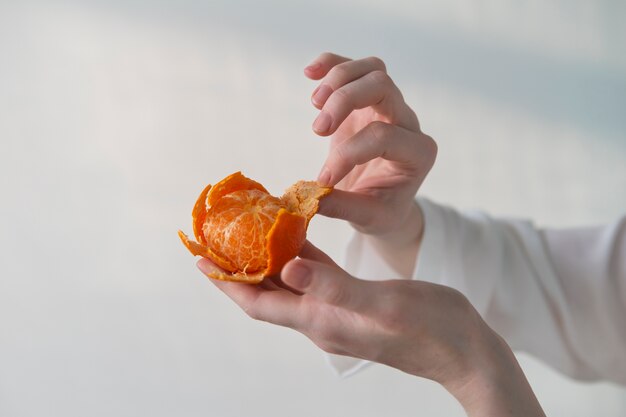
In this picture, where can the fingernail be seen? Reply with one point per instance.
(205, 266)
(321, 94)
(299, 276)
(313, 67)
(322, 123)
(324, 176)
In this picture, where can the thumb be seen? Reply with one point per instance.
(327, 283)
(360, 209)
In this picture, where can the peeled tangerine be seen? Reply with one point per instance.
(247, 232)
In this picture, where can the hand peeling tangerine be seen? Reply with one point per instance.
(247, 232)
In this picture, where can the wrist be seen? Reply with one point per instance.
(493, 383)
(409, 229)
(399, 248)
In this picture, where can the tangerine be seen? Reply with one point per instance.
(247, 232)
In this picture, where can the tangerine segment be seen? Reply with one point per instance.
(236, 227)
(234, 182)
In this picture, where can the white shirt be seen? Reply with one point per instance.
(559, 295)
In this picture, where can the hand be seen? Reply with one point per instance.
(378, 155)
(424, 329)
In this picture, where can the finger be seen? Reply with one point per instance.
(342, 74)
(320, 66)
(278, 284)
(358, 209)
(329, 284)
(375, 89)
(413, 151)
(310, 251)
(278, 307)
(269, 285)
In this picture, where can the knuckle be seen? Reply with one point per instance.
(379, 130)
(341, 97)
(338, 74)
(325, 56)
(429, 148)
(412, 114)
(378, 63)
(432, 145)
(459, 299)
(381, 77)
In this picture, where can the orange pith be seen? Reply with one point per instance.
(246, 231)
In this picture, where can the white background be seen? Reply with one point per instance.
(114, 115)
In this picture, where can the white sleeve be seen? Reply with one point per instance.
(559, 295)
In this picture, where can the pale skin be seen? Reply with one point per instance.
(377, 161)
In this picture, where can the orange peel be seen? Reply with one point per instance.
(247, 232)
